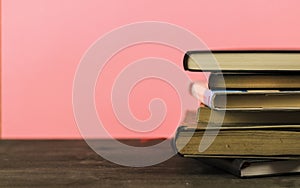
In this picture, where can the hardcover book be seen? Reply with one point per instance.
(248, 117)
(240, 143)
(254, 80)
(242, 61)
(247, 99)
(254, 167)
(243, 141)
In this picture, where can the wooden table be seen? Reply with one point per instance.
(72, 163)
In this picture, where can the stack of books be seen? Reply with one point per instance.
(249, 116)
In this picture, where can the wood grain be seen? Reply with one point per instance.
(72, 163)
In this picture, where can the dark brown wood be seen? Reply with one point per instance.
(73, 163)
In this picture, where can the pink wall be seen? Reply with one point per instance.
(43, 41)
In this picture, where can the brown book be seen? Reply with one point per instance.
(244, 141)
(251, 80)
(248, 117)
(241, 143)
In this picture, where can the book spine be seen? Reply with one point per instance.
(185, 61)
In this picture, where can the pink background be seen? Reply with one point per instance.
(43, 41)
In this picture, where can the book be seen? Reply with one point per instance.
(246, 99)
(248, 117)
(242, 61)
(254, 167)
(191, 120)
(253, 80)
(243, 141)
(247, 122)
(239, 143)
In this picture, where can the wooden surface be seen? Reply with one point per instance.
(74, 164)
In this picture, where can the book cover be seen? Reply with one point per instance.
(265, 142)
(246, 99)
(246, 168)
(248, 117)
(253, 80)
(242, 61)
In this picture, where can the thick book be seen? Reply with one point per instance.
(254, 167)
(232, 61)
(259, 142)
(247, 99)
(248, 117)
(254, 80)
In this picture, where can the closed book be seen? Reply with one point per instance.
(254, 167)
(243, 141)
(265, 142)
(248, 117)
(242, 61)
(247, 99)
(254, 80)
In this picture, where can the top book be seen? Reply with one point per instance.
(239, 61)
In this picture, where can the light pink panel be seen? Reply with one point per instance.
(43, 41)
